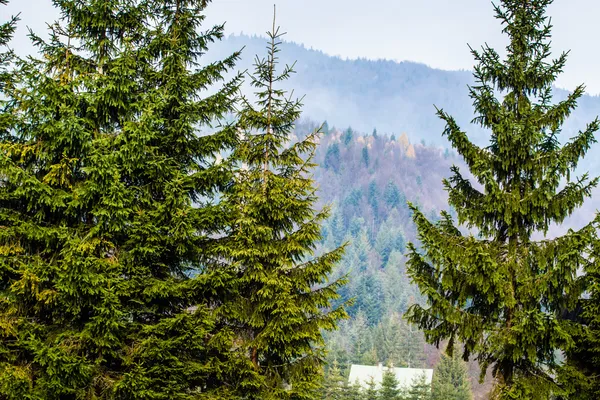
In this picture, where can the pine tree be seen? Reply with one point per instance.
(450, 379)
(389, 389)
(502, 293)
(285, 299)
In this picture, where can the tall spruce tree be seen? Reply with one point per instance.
(106, 243)
(63, 321)
(501, 293)
(285, 299)
(169, 169)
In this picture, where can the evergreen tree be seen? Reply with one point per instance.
(175, 283)
(365, 156)
(285, 300)
(332, 158)
(419, 389)
(101, 176)
(450, 379)
(389, 389)
(371, 392)
(581, 372)
(7, 30)
(391, 194)
(335, 384)
(502, 293)
(347, 136)
(61, 282)
(354, 391)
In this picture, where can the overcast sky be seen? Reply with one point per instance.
(434, 32)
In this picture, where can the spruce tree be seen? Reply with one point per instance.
(371, 392)
(178, 347)
(285, 299)
(63, 335)
(501, 293)
(389, 389)
(419, 389)
(107, 238)
(580, 374)
(334, 387)
(450, 379)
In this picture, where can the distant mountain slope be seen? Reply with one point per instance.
(392, 97)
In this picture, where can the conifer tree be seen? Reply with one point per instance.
(354, 391)
(389, 389)
(371, 392)
(334, 387)
(285, 299)
(501, 293)
(419, 389)
(102, 173)
(450, 379)
(63, 334)
(580, 374)
(175, 286)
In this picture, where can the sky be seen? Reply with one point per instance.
(433, 32)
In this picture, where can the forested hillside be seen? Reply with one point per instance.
(367, 179)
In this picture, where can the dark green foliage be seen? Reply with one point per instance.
(334, 387)
(581, 372)
(102, 174)
(389, 389)
(374, 132)
(450, 380)
(419, 389)
(284, 300)
(502, 293)
(6, 32)
(371, 391)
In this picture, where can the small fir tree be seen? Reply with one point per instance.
(450, 378)
(371, 392)
(419, 389)
(334, 387)
(389, 389)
